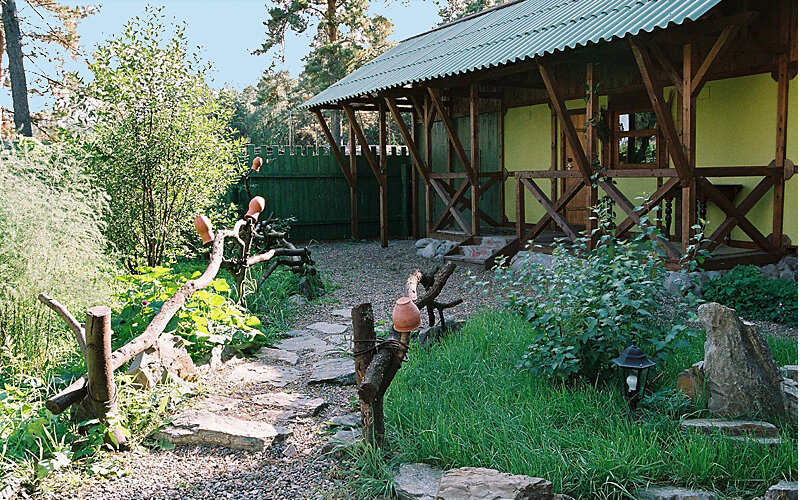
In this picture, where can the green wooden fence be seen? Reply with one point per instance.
(307, 183)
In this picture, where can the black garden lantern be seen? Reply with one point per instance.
(634, 367)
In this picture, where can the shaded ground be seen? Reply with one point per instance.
(295, 469)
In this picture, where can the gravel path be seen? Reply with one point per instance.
(295, 468)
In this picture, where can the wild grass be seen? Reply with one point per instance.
(463, 403)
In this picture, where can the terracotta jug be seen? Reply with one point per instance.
(257, 162)
(405, 315)
(255, 208)
(203, 226)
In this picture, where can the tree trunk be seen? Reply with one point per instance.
(19, 87)
(363, 337)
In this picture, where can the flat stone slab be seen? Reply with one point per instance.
(342, 439)
(218, 404)
(342, 313)
(296, 333)
(785, 490)
(198, 427)
(305, 343)
(329, 328)
(416, 482)
(673, 493)
(272, 354)
(477, 483)
(257, 373)
(349, 420)
(339, 371)
(303, 405)
(752, 428)
(790, 371)
(766, 441)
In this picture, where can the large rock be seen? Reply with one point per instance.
(469, 483)
(258, 373)
(789, 387)
(303, 405)
(740, 373)
(339, 371)
(205, 428)
(673, 493)
(416, 482)
(166, 359)
(785, 490)
(789, 371)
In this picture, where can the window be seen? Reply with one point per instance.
(636, 136)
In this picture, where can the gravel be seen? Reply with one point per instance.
(358, 272)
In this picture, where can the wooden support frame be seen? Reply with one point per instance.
(354, 185)
(334, 147)
(383, 180)
(452, 134)
(549, 207)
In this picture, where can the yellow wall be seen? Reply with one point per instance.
(735, 127)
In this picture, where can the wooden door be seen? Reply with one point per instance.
(576, 211)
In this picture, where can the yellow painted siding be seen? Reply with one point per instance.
(735, 124)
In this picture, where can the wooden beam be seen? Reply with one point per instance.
(744, 207)
(450, 202)
(542, 198)
(383, 187)
(720, 46)
(428, 162)
(354, 185)
(569, 193)
(452, 133)
(414, 179)
(648, 205)
(668, 67)
(663, 115)
(475, 156)
(731, 210)
(584, 165)
(440, 190)
(334, 147)
(780, 131)
(592, 119)
(362, 139)
(413, 150)
(689, 138)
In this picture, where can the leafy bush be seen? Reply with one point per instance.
(754, 296)
(208, 319)
(591, 304)
(157, 137)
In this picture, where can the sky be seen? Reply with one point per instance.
(227, 32)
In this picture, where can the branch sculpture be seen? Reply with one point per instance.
(433, 282)
(77, 391)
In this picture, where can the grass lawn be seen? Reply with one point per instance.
(463, 403)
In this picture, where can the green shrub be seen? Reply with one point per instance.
(209, 318)
(754, 296)
(593, 303)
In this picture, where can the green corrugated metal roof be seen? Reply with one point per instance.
(514, 32)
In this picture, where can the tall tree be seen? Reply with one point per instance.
(43, 34)
(451, 10)
(346, 37)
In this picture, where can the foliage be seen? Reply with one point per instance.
(209, 318)
(50, 241)
(593, 303)
(754, 296)
(157, 137)
(450, 10)
(462, 403)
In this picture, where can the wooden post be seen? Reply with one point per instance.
(520, 199)
(101, 397)
(363, 341)
(688, 136)
(382, 178)
(475, 157)
(429, 166)
(414, 182)
(353, 184)
(780, 133)
(592, 109)
(553, 150)
(501, 161)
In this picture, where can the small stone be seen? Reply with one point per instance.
(329, 328)
(342, 439)
(787, 275)
(296, 301)
(428, 252)
(290, 451)
(339, 371)
(471, 482)
(789, 388)
(296, 333)
(197, 427)
(673, 493)
(166, 359)
(785, 490)
(770, 270)
(690, 381)
(790, 371)
(422, 243)
(342, 313)
(416, 482)
(303, 405)
(730, 427)
(257, 373)
(305, 343)
(349, 420)
(272, 354)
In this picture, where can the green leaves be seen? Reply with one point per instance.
(754, 296)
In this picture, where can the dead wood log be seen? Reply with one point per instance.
(76, 328)
(363, 350)
(101, 394)
(384, 366)
(433, 282)
(77, 390)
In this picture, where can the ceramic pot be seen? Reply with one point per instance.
(255, 208)
(257, 162)
(405, 315)
(203, 226)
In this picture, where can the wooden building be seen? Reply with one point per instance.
(519, 118)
